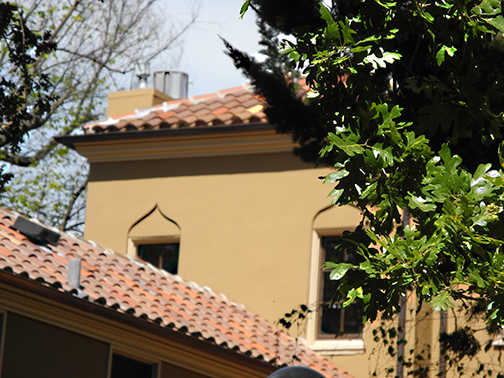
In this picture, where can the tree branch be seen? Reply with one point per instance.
(71, 203)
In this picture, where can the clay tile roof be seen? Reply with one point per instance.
(134, 287)
(238, 105)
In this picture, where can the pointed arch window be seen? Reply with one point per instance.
(155, 238)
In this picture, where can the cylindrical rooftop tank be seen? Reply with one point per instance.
(171, 82)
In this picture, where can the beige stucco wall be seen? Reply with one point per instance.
(245, 222)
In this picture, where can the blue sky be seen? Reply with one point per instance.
(203, 57)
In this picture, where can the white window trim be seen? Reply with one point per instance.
(324, 346)
(338, 347)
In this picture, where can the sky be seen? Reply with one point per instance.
(203, 57)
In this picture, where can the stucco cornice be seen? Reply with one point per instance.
(179, 143)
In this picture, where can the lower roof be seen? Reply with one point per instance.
(131, 286)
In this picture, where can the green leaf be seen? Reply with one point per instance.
(336, 193)
(370, 189)
(442, 301)
(347, 32)
(475, 276)
(336, 176)
(387, 4)
(487, 8)
(496, 22)
(440, 55)
(424, 204)
(325, 14)
(381, 62)
(501, 154)
(244, 8)
(352, 294)
(346, 144)
(338, 270)
(388, 123)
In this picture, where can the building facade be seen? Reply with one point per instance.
(205, 188)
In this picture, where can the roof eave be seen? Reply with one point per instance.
(72, 140)
(231, 140)
(41, 293)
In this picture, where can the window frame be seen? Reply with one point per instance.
(321, 303)
(326, 344)
(156, 364)
(163, 255)
(135, 242)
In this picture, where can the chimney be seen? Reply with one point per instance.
(169, 85)
(123, 102)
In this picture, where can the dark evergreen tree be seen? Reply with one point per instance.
(475, 83)
(406, 101)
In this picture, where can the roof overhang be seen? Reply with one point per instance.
(52, 306)
(179, 143)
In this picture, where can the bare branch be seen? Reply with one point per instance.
(94, 60)
(70, 206)
(97, 43)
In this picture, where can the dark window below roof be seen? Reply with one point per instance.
(163, 256)
(124, 367)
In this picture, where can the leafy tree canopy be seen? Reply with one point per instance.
(406, 100)
(59, 59)
(26, 93)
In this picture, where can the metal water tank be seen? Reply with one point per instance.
(171, 82)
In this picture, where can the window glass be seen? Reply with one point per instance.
(164, 256)
(124, 367)
(336, 320)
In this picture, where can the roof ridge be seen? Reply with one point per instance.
(196, 111)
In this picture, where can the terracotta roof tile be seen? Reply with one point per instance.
(137, 288)
(230, 106)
